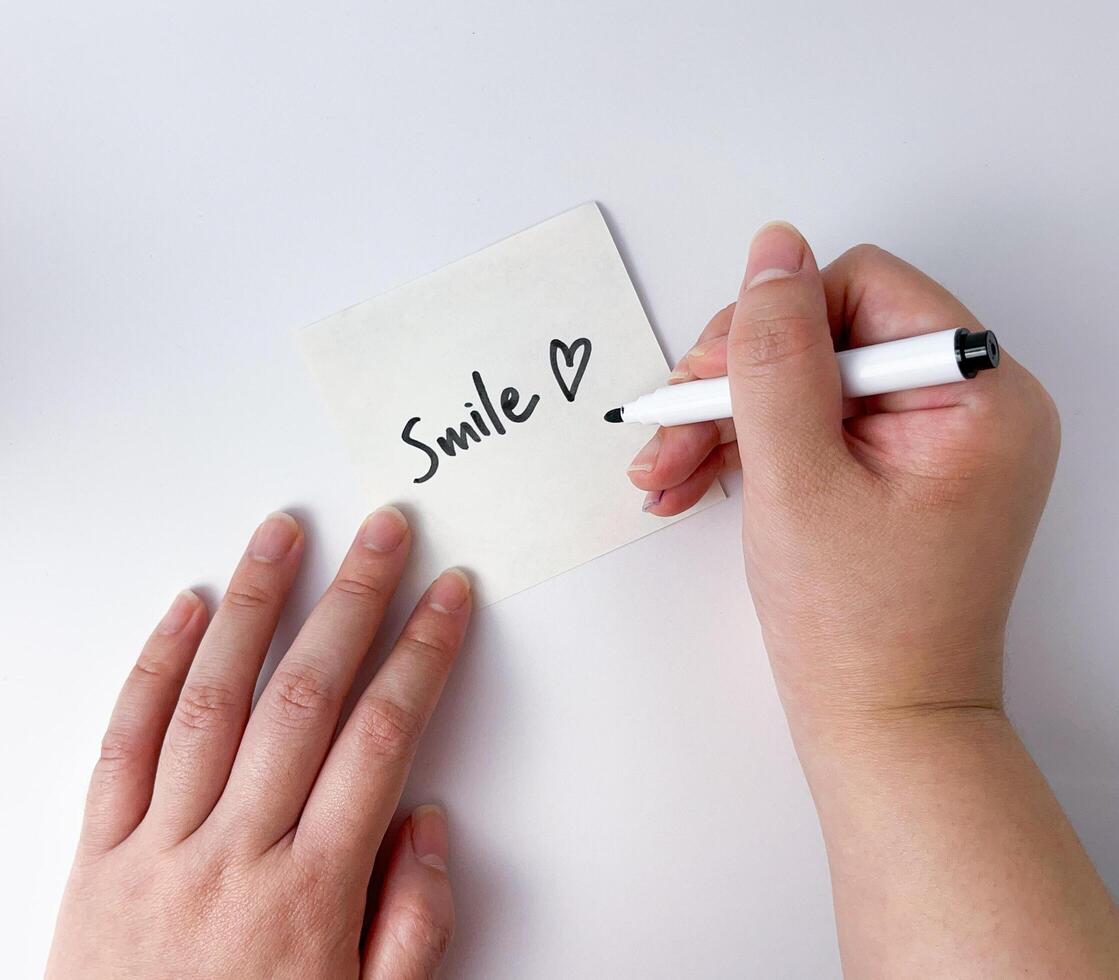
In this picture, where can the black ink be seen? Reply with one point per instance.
(448, 442)
(559, 347)
(460, 438)
(509, 399)
(484, 398)
(406, 435)
(479, 421)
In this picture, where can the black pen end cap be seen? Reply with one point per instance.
(614, 415)
(976, 350)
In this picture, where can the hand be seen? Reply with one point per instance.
(219, 844)
(882, 550)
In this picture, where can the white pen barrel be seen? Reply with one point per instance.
(897, 365)
(693, 401)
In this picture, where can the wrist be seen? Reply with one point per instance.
(856, 696)
(857, 753)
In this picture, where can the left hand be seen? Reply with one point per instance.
(219, 844)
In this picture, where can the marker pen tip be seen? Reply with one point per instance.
(614, 415)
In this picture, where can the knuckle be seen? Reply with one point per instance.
(429, 648)
(359, 585)
(1035, 431)
(418, 931)
(301, 694)
(867, 262)
(774, 336)
(1048, 423)
(1052, 416)
(218, 874)
(387, 727)
(315, 859)
(248, 595)
(204, 706)
(119, 749)
(149, 669)
(865, 253)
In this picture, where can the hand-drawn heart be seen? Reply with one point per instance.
(569, 353)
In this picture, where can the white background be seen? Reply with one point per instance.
(183, 184)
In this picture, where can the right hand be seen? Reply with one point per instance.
(882, 550)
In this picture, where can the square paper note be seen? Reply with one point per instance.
(473, 399)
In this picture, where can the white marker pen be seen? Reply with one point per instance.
(897, 365)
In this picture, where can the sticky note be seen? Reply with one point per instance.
(473, 399)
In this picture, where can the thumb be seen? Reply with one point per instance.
(412, 929)
(784, 379)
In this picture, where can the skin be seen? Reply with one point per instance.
(222, 844)
(882, 551)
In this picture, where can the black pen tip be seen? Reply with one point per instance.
(614, 415)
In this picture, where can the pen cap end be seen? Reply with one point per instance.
(976, 350)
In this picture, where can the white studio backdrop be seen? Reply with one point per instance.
(183, 185)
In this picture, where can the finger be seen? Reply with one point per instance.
(121, 788)
(708, 342)
(291, 729)
(209, 719)
(913, 443)
(915, 438)
(873, 297)
(783, 376)
(672, 455)
(357, 791)
(708, 360)
(677, 499)
(416, 918)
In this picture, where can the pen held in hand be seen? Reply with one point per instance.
(897, 365)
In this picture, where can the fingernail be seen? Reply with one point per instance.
(450, 591)
(646, 459)
(776, 252)
(274, 538)
(179, 614)
(384, 529)
(652, 498)
(429, 836)
(683, 371)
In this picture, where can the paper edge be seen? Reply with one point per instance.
(300, 333)
(697, 508)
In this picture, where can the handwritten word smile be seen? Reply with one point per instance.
(460, 438)
(574, 356)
